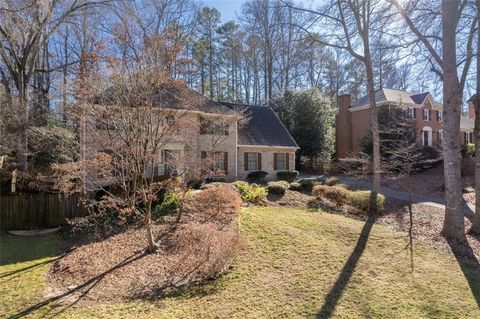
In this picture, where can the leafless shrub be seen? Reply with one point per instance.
(219, 205)
(335, 193)
(201, 251)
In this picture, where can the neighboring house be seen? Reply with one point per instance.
(244, 138)
(353, 123)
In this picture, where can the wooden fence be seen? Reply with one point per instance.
(36, 211)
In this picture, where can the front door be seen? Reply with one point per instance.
(425, 138)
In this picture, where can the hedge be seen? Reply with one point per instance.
(279, 187)
(289, 176)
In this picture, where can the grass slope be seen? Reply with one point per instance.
(295, 264)
(23, 263)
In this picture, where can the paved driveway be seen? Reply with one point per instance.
(432, 201)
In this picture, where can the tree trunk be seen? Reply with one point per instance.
(152, 247)
(453, 227)
(475, 229)
(373, 119)
(23, 122)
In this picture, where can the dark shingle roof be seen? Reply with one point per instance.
(261, 127)
(419, 98)
(168, 93)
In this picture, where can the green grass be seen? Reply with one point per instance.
(295, 264)
(23, 263)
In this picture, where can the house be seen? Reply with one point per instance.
(352, 120)
(243, 138)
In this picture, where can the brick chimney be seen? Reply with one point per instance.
(343, 126)
(471, 110)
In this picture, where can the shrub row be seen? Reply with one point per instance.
(363, 200)
(259, 177)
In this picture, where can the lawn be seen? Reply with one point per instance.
(296, 263)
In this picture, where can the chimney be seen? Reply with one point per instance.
(343, 126)
(471, 110)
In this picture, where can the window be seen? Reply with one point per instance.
(253, 161)
(281, 161)
(439, 136)
(427, 115)
(411, 112)
(170, 119)
(467, 137)
(215, 162)
(439, 116)
(220, 163)
(212, 126)
(167, 165)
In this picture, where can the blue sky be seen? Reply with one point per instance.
(227, 8)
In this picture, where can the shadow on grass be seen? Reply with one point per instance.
(82, 289)
(469, 264)
(336, 291)
(16, 249)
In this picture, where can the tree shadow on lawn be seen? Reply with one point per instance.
(16, 249)
(336, 291)
(469, 265)
(82, 290)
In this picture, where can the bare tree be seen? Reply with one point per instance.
(446, 64)
(351, 25)
(25, 27)
(401, 155)
(475, 229)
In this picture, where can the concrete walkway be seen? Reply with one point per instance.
(433, 201)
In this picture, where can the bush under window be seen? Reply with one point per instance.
(258, 177)
(289, 176)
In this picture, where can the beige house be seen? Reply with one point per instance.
(243, 138)
(352, 121)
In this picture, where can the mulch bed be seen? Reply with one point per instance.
(428, 223)
(198, 248)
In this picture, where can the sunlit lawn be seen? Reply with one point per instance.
(295, 264)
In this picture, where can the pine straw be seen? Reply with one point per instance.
(427, 224)
(118, 268)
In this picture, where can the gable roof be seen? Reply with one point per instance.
(394, 96)
(262, 127)
(420, 98)
(168, 93)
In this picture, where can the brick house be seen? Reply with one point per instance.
(352, 120)
(247, 138)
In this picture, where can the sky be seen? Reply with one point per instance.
(227, 8)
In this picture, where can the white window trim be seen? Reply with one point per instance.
(248, 161)
(429, 130)
(428, 114)
(284, 167)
